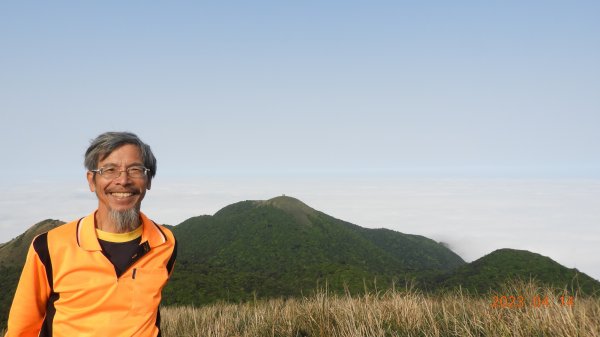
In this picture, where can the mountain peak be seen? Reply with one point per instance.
(288, 203)
(291, 205)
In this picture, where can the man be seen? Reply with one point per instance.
(103, 274)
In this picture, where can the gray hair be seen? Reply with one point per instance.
(106, 143)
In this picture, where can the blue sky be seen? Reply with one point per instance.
(324, 101)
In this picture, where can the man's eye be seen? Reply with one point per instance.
(109, 170)
(135, 170)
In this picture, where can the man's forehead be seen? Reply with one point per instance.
(105, 156)
(110, 165)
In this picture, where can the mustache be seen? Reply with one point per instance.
(129, 190)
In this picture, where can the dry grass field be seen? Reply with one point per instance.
(531, 311)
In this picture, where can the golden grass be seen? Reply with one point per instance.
(404, 312)
(393, 313)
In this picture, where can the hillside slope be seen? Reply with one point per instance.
(282, 247)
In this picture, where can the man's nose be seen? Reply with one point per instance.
(123, 177)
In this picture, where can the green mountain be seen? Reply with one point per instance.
(493, 270)
(282, 247)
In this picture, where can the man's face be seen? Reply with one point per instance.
(124, 192)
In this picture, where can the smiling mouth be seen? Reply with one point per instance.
(121, 194)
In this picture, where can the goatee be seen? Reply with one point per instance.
(125, 221)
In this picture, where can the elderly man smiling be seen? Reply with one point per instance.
(101, 275)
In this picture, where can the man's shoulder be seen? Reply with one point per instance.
(166, 230)
(66, 227)
(64, 231)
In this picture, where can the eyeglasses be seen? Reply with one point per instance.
(114, 173)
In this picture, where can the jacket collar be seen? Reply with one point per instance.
(87, 239)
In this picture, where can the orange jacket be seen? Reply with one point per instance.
(69, 288)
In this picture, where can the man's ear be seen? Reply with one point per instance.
(149, 184)
(91, 182)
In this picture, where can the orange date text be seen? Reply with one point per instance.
(535, 301)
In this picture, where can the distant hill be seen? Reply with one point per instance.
(494, 269)
(282, 247)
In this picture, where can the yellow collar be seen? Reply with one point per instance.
(119, 237)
